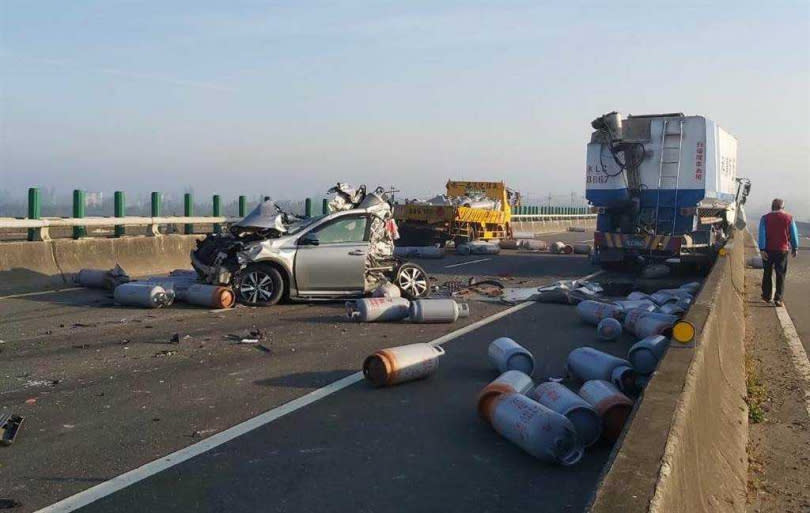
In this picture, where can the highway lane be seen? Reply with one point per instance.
(103, 390)
(417, 447)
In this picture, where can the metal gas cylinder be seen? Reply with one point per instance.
(378, 309)
(142, 294)
(608, 329)
(647, 352)
(418, 252)
(511, 381)
(587, 363)
(93, 278)
(582, 415)
(508, 244)
(636, 304)
(592, 311)
(426, 311)
(538, 430)
(506, 354)
(613, 406)
(484, 248)
(670, 295)
(561, 248)
(643, 323)
(637, 295)
(404, 363)
(533, 245)
(212, 296)
(692, 287)
(582, 249)
(671, 309)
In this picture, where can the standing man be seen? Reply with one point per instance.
(777, 235)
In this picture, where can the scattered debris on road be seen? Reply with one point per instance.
(10, 424)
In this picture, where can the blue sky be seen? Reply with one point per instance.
(287, 97)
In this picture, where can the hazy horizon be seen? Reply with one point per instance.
(286, 99)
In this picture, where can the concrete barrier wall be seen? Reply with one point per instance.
(685, 450)
(35, 266)
(540, 227)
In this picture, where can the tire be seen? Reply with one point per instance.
(412, 281)
(259, 285)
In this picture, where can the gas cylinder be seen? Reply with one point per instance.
(404, 363)
(508, 244)
(511, 381)
(655, 271)
(92, 278)
(212, 296)
(506, 354)
(533, 245)
(647, 352)
(427, 311)
(582, 415)
(587, 363)
(560, 248)
(541, 432)
(637, 295)
(613, 406)
(643, 323)
(662, 298)
(608, 329)
(692, 287)
(582, 249)
(592, 311)
(142, 294)
(418, 252)
(378, 309)
(671, 309)
(636, 304)
(481, 247)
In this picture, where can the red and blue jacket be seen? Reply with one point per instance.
(778, 232)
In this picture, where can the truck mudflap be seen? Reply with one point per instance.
(637, 243)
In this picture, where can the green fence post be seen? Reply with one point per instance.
(120, 207)
(242, 206)
(325, 206)
(78, 213)
(34, 211)
(216, 211)
(156, 204)
(308, 207)
(188, 211)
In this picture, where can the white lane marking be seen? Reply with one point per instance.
(470, 262)
(584, 241)
(798, 354)
(126, 479)
(29, 294)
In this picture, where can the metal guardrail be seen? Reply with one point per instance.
(550, 217)
(40, 227)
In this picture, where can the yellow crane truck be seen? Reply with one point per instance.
(473, 211)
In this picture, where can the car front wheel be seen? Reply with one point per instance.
(412, 281)
(259, 285)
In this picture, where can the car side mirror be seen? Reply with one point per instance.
(309, 239)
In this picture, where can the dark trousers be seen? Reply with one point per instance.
(777, 261)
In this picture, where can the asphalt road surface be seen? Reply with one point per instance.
(104, 391)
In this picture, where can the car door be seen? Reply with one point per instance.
(337, 264)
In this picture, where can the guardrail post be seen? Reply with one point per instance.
(35, 212)
(119, 207)
(308, 207)
(242, 206)
(325, 206)
(154, 229)
(78, 212)
(216, 211)
(188, 211)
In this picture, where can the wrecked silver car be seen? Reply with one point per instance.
(270, 254)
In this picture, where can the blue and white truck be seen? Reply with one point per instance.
(664, 186)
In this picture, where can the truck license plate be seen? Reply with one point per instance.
(635, 242)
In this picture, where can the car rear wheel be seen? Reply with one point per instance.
(259, 285)
(412, 281)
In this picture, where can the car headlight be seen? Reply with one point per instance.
(249, 254)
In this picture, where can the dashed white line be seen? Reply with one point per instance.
(469, 262)
(798, 354)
